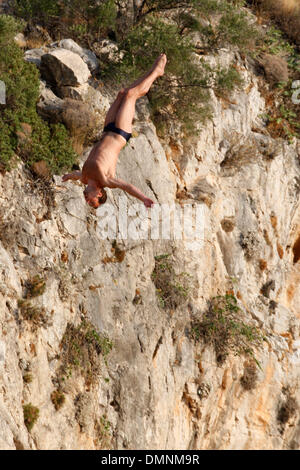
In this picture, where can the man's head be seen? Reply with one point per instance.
(95, 197)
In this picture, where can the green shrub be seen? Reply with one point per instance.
(45, 142)
(227, 80)
(282, 116)
(88, 18)
(222, 326)
(39, 10)
(82, 348)
(234, 28)
(104, 432)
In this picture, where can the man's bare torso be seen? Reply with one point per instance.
(102, 160)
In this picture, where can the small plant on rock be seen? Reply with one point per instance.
(35, 286)
(222, 327)
(58, 399)
(33, 314)
(249, 378)
(82, 348)
(27, 377)
(31, 414)
(103, 430)
(172, 289)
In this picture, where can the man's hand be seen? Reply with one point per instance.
(75, 175)
(148, 202)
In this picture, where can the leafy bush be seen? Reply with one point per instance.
(36, 9)
(79, 18)
(82, 348)
(231, 27)
(222, 327)
(227, 80)
(48, 143)
(282, 116)
(234, 28)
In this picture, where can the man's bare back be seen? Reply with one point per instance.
(99, 169)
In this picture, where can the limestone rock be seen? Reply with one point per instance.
(64, 68)
(79, 119)
(20, 40)
(107, 50)
(87, 56)
(49, 105)
(34, 56)
(76, 93)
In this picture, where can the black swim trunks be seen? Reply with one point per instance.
(112, 128)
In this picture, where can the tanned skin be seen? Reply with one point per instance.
(99, 169)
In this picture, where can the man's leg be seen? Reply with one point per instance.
(112, 112)
(139, 88)
(159, 65)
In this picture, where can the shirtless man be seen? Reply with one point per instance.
(98, 172)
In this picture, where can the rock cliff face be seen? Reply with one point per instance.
(157, 388)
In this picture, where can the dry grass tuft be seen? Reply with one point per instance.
(249, 378)
(172, 289)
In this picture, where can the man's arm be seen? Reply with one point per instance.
(75, 175)
(130, 189)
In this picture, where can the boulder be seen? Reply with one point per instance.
(108, 50)
(97, 102)
(79, 119)
(20, 40)
(87, 56)
(63, 67)
(49, 106)
(34, 56)
(76, 93)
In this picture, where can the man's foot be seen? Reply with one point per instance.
(159, 65)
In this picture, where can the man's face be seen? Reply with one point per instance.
(91, 198)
